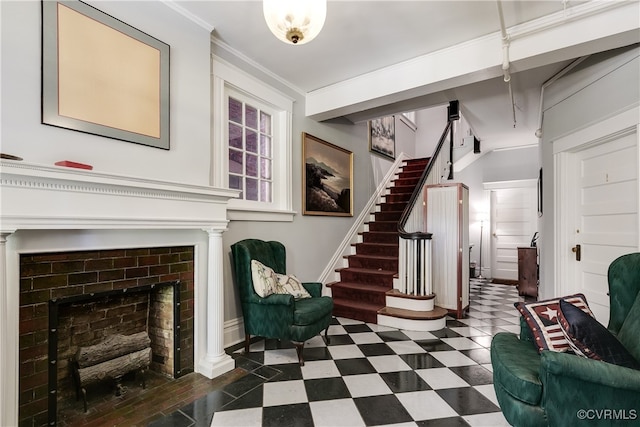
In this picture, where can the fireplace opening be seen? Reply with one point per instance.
(90, 320)
(81, 298)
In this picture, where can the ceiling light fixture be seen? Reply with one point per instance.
(295, 21)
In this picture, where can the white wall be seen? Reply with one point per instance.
(496, 166)
(602, 86)
(23, 134)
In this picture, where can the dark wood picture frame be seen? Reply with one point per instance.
(327, 178)
(382, 136)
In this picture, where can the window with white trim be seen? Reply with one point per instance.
(252, 145)
(250, 150)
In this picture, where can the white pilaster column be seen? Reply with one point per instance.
(216, 361)
(8, 356)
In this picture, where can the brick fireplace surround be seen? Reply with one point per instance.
(46, 210)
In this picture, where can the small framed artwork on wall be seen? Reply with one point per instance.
(382, 136)
(327, 178)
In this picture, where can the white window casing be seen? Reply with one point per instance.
(228, 80)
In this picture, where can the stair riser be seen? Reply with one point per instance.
(383, 226)
(385, 264)
(373, 278)
(378, 237)
(407, 181)
(352, 313)
(338, 293)
(410, 174)
(397, 198)
(393, 207)
(401, 189)
(387, 216)
(373, 249)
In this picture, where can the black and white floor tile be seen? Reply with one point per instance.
(370, 375)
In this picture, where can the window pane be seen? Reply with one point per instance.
(265, 123)
(252, 165)
(265, 191)
(235, 161)
(235, 183)
(235, 110)
(235, 136)
(252, 141)
(265, 146)
(252, 189)
(251, 117)
(265, 168)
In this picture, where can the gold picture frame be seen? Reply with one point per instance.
(102, 76)
(327, 177)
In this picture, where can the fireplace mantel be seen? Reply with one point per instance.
(55, 197)
(48, 208)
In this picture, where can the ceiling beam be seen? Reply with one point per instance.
(581, 30)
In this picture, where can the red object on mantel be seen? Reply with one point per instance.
(71, 164)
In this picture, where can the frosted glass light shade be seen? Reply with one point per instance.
(295, 21)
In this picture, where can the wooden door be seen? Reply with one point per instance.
(513, 223)
(605, 223)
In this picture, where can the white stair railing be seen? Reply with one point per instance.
(415, 252)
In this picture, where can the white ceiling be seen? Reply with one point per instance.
(360, 37)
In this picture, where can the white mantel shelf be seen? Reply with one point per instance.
(36, 196)
(54, 208)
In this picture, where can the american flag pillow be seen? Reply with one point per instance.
(542, 318)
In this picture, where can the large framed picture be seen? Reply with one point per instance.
(327, 177)
(102, 76)
(382, 136)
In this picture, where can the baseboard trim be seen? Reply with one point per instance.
(233, 331)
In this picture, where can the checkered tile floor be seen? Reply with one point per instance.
(371, 375)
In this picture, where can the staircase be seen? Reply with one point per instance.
(361, 293)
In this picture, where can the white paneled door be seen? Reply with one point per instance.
(598, 217)
(513, 223)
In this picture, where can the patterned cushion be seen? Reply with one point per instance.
(541, 316)
(264, 279)
(588, 338)
(289, 284)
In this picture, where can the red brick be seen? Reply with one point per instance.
(148, 260)
(169, 258)
(158, 270)
(136, 272)
(32, 325)
(67, 266)
(110, 275)
(138, 252)
(124, 262)
(48, 282)
(83, 278)
(98, 264)
(33, 297)
(35, 269)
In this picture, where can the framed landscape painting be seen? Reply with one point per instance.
(327, 177)
(382, 136)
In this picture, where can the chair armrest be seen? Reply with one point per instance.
(314, 288)
(589, 370)
(573, 384)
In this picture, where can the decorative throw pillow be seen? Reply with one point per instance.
(541, 316)
(289, 284)
(264, 279)
(590, 339)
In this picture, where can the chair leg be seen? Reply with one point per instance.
(247, 343)
(299, 348)
(326, 335)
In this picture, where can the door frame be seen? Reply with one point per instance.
(565, 186)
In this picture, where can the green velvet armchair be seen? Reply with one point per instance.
(278, 316)
(560, 389)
